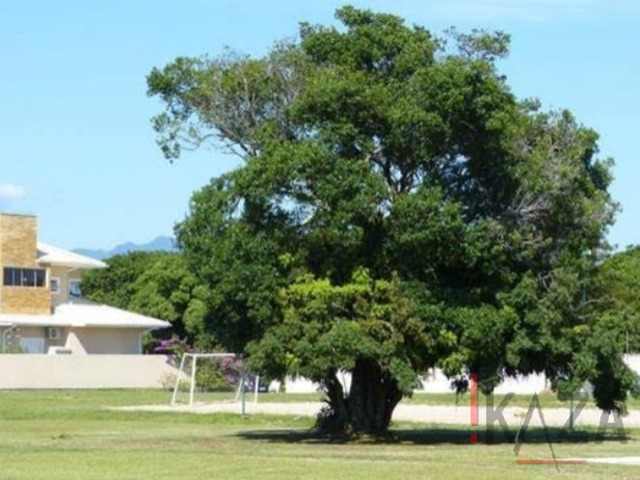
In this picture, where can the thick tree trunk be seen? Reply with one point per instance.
(369, 405)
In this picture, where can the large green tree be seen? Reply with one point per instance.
(397, 208)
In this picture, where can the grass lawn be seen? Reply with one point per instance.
(69, 435)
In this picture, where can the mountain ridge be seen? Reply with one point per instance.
(160, 243)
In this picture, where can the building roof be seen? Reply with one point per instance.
(83, 313)
(50, 255)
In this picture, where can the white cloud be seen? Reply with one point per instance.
(9, 191)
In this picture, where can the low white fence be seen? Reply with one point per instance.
(633, 361)
(437, 382)
(24, 371)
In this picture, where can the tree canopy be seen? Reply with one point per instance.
(158, 284)
(397, 208)
(619, 288)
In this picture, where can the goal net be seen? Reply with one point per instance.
(213, 378)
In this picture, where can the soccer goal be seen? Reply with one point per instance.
(213, 378)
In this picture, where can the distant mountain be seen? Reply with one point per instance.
(166, 244)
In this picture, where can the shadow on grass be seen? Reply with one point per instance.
(437, 436)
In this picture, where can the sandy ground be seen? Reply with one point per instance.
(450, 415)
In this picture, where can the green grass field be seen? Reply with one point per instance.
(71, 435)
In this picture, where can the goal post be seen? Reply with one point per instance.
(212, 378)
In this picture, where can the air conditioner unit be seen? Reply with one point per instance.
(53, 333)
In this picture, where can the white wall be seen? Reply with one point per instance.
(634, 362)
(437, 382)
(103, 341)
(22, 371)
(300, 385)
(82, 341)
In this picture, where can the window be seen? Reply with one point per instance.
(41, 277)
(54, 284)
(24, 277)
(74, 289)
(28, 278)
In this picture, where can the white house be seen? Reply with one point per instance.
(41, 304)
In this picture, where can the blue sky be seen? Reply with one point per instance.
(77, 149)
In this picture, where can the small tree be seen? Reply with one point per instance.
(158, 284)
(619, 293)
(398, 209)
